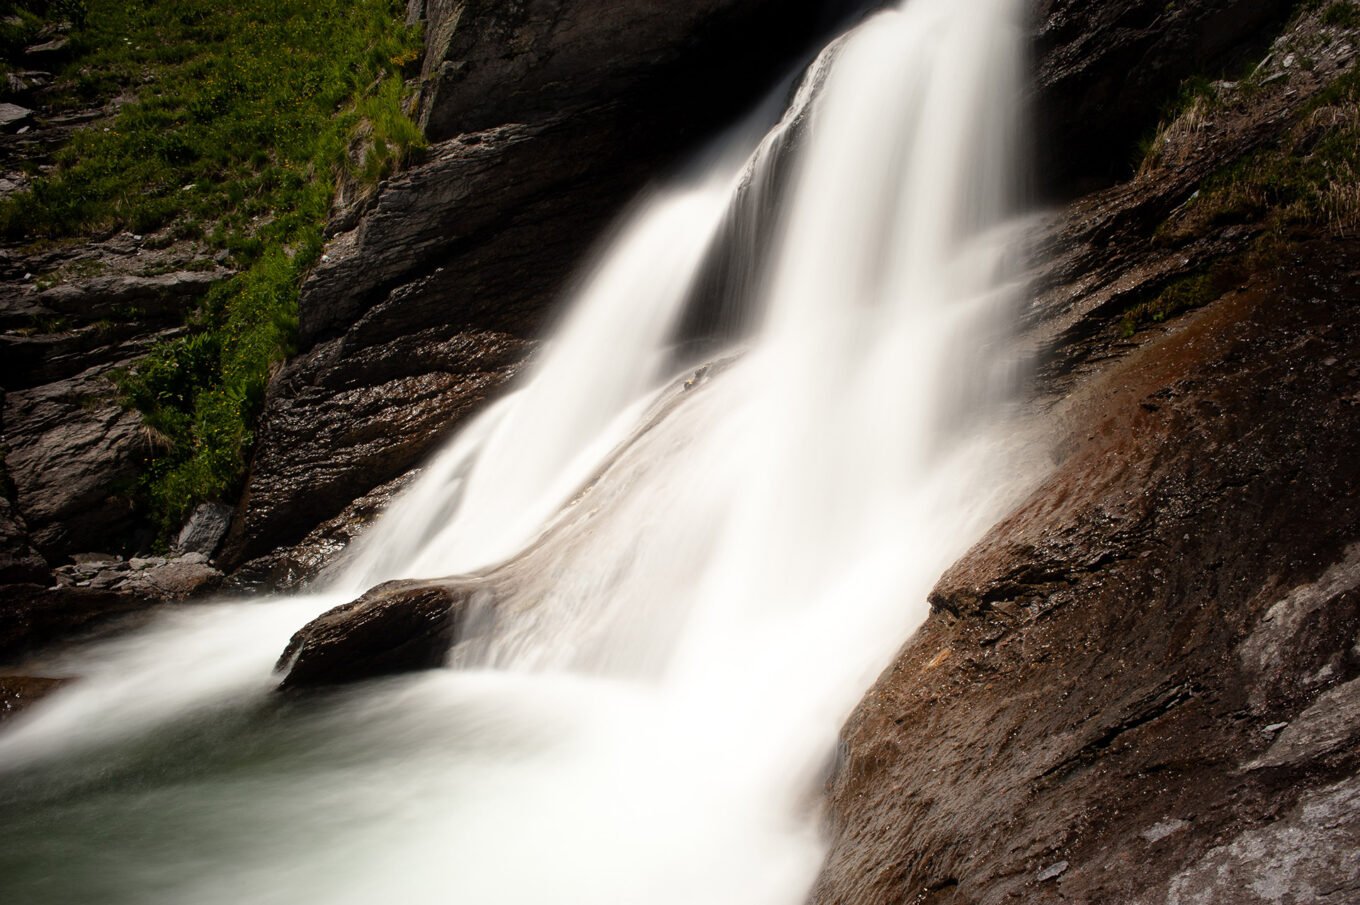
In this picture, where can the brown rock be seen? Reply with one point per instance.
(1106, 661)
(20, 692)
(401, 626)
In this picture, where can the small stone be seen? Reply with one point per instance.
(48, 48)
(1273, 728)
(13, 115)
(1052, 872)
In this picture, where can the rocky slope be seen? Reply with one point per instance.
(437, 294)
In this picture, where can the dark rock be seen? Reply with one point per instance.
(401, 626)
(12, 116)
(176, 579)
(20, 692)
(1107, 71)
(340, 421)
(19, 562)
(74, 457)
(157, 297)
(323, 549)
(488, 63)
(205, 529)
(32, 615)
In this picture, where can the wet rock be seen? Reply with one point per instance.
(20, 692)
(1330, 724)
(1307, 855)
(205, 529)
(324, 548)
(32, 615)
(401, 626)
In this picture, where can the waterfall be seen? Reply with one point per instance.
(705, 561)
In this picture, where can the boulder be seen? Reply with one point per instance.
(12, 116)
(205, 529)
(400, 626)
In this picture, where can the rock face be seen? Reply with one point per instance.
(1141, 686)
(401, 626)
(433, 300)
(73, 453)
(1106, 71)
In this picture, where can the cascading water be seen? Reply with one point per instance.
(700, 573)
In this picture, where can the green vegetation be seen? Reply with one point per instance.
(1342, 14)
(1179, 296)
(240, 118)
(1304, 184)
(1309, 180)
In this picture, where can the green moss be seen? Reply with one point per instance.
(242, 116)
(1177, 297)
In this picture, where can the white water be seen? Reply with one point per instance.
(697, 578)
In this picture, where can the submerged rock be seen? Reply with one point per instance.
(400, 626)
(17, 693)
